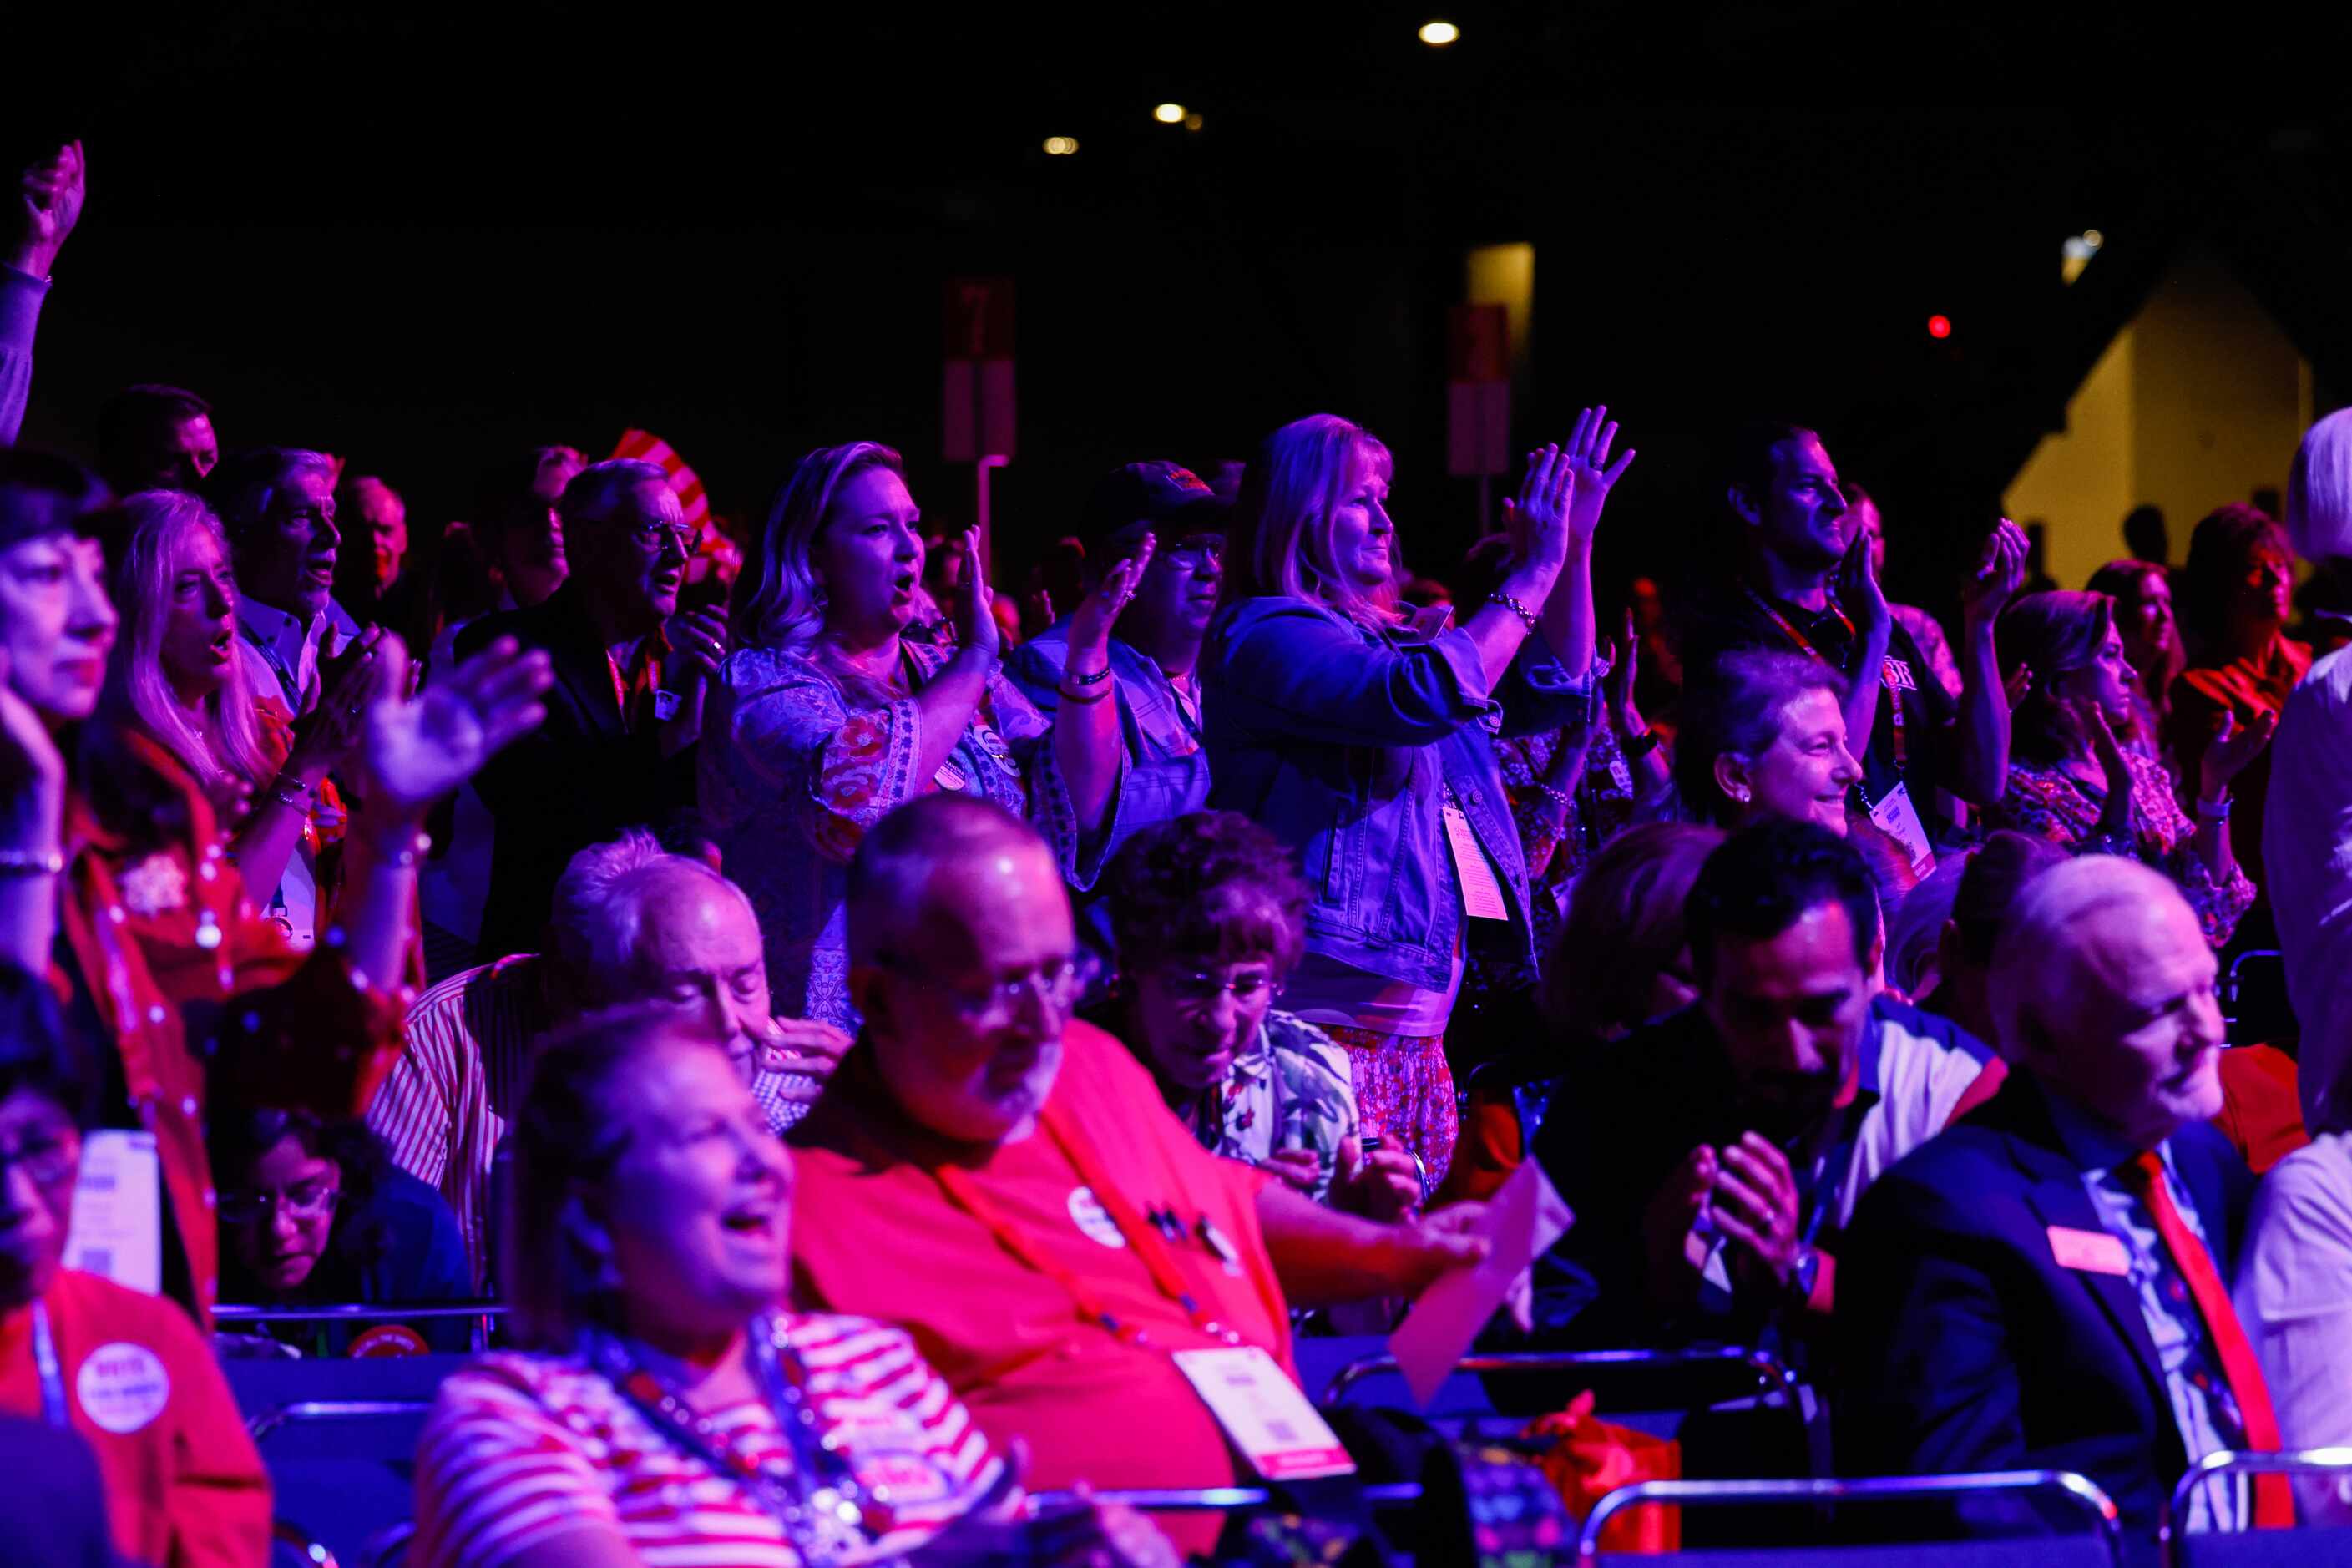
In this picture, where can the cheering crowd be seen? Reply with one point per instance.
(874, 1034)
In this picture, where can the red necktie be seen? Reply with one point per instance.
(2273, 1498)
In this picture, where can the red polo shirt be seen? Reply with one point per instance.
(874, 1233)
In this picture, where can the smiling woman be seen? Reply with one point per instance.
(648, 1247)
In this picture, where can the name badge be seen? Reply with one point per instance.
(1899, 820)
(1482, 896)
(1264, 1414)
(2089, 1251)
(117, 1230)
(949, 776)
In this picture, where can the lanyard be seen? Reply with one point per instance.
(54, 1409)
(1139, 1232)
(1805, 645)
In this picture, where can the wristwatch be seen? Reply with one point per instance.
(667, 704)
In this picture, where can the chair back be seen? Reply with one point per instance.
(2299, 1548)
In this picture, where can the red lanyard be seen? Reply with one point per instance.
(1139, 1232)
(1804, 643)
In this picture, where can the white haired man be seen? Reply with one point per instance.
(632, 923)
(2043, 1287)
(1009, 1184)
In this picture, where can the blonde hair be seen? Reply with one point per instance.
(1281, 537)
(777, 602)
(138, 693)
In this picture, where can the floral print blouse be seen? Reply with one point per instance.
(795, 770)
(1290, 1090)
(2050, 803)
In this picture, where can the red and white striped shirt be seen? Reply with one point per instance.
(521, 1449)
(464, 1063)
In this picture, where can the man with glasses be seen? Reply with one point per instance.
(1009, 1184)
(617, 748)
(1154, 648)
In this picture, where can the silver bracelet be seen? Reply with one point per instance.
(1499, 597)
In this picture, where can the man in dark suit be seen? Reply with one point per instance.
(617, 748)
(2044, 1285)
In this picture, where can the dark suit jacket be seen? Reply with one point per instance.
(578, 779)
(1963, 1344)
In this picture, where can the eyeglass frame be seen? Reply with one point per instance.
(1176, 552)
(1210, 988)
(1072, 975)
(266, 1204)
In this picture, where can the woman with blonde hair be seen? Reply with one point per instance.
(1365, 741)
(827, 713)
(176, 679)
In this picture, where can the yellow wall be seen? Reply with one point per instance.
(2199, 400)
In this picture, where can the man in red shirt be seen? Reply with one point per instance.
(1010, 1186)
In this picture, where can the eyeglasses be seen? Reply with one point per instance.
(257, 1208)
(47, 1157)
(1056, 985)
(654, 534)
(1193, 989)
(1196, 551)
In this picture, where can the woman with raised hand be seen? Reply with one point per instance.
(828, 713)
(1365, 741)
(118, 876)
(668, 1408)
(2075, 779)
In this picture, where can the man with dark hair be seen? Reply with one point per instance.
(1712, 1158)
(516, 523)
(1806, 583)
(153, 438)
(618, 749)
(1155, 647)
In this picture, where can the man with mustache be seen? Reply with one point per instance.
(618, 749)
(1713, 1158)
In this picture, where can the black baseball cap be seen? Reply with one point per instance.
(1169, 496)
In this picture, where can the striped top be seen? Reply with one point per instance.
(520, 1450)
(465, 1062)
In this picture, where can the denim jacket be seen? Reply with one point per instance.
(1167, 770)
(1342, 740)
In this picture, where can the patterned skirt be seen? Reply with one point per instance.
(1404, 1092)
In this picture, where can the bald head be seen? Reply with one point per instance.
(2102, 983)
(961, 958)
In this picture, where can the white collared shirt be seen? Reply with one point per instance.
(281, 653)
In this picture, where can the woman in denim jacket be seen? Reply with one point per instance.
(1365, 741)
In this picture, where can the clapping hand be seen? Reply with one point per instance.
(2236, 745)
(49, 196)
(1757, 1208)
(1858, 593)
(1099, 611)
(1592, 474)
(1538, 521)
(2000, 573)
(973, 610)
(415, 749)
(1624, 674)
(324, 737)
(698, 642)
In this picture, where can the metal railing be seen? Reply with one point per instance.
(2084, 1492)
(1771, 1373)
(1211, 1500)
(268, 1420)
(2224, 1462)
(230, 1317)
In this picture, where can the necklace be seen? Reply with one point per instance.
(825, 1513)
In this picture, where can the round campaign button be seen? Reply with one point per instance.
(122, 1386)
(1091, 1218)
(387, 1340)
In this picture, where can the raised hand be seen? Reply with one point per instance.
(325, 736)
(1594, 476)
(2233, 748)
(1539, 519)
(975, 617)
(49, 196)
(1099, 611)
(1857, 589)
(698, 642)
(415, 751)
(2000, 573)
(1625, 673)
